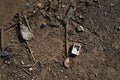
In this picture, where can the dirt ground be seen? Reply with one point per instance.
(99, 57)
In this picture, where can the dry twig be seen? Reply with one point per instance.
(66, 39)
(27, 72)
(2, 45)
(30, 65)
(31, 52)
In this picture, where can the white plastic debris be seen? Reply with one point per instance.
(76, 49)
(26, 34)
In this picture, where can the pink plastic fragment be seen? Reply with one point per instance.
(67, 63)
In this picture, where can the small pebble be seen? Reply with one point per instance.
(103, 59)
(56, 60)
(22, 63)
(30, 69)
(81, 16)
(63, 6)
(111, 4)
(23, 76)
(34, 11)
(49, 69)
(61, 70)
(66, 76)
(39, 5)
(59, 17)
(2, 67)
(7, 62)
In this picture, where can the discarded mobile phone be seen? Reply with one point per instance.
(76, 49)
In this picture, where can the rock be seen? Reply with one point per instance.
(26, 34)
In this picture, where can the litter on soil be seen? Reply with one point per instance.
(80, 29)
(67, 63)
(48, 29)
(76, 49)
